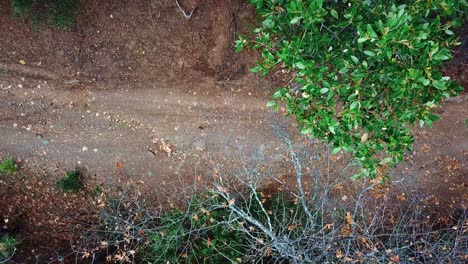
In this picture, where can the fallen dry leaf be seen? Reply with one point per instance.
(349, 218)
(118, 165)
(279, 9)
(364, 138)
(346, 231)
(401, 197)
(395, 259)
(339, 254)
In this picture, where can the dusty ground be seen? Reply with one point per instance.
(155, 99)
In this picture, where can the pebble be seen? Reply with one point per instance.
(199, 144)
(84, 148)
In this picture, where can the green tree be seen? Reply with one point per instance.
(364, 72)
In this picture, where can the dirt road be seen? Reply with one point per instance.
(147, 129)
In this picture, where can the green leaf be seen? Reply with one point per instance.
(295, 20)
(433, 117)
(439, 85)
(271, 104)
(334, 13)
(268, 23)
(256, 69)
(371, 31)
(369, 53)
(355, 59)
(324, 90)
(440, 57)
(361, 40)
(385, 160)
(306, 131)
(300, 65)
(277, 94)
(364, 63)
(343, 70)
(331, 129)
(336, 150)
(449, 32)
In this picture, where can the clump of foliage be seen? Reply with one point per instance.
(72, 182)
(199, 235)
(7, 166)
(58, 13)
(270, 228)
(7, 247)
(97, 190)
(363, 72)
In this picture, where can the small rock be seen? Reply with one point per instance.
(199, 144)
(84, 148)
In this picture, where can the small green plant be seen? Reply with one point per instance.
(362, 72)
(97, 190)
(7, 247)
(71, 182)
(58, 13)
(7, 166)
(198, 235)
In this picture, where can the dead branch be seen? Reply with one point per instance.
(189, 15)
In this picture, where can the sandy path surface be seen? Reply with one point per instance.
(46, 125)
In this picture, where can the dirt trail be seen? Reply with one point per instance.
(96, 128)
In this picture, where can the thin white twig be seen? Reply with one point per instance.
(187, 16)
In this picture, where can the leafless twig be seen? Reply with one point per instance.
(189, 15)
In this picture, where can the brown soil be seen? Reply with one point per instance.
(150, 103)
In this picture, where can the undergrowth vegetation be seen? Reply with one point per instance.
(237, 218)
(72, 182)
(7, 166)
(7, 247)
(216, 227)
(360, 73)
(57, 13)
